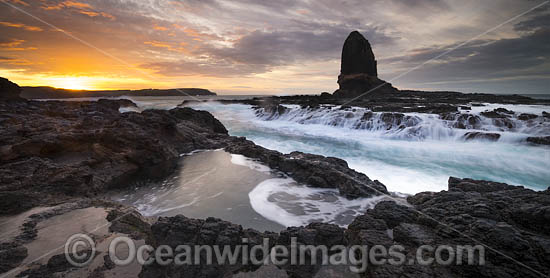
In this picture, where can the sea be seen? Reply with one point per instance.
(407, 161)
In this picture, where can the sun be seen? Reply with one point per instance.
(72, 83)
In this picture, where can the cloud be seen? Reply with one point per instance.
(66, 4)
(94, 14)
(281, 40)
(19, 2)
(81, 8)
(261, 51)
(14, 45)
(525, 57)
(21, 25)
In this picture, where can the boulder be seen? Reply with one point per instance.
(475, 135)
(527, 116)
(543, 140)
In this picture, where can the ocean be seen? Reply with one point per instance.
(407, 160)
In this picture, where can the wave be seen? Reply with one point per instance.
(499, 124)
(283, 201)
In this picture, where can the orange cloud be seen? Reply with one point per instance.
(77, 5)
(158, 44)
(20, 25)
(168, 46)
(160, 28)
(68, 4)
(14, 45)
(94, 14)
(15, 62)
(20, 2)
(83, 8)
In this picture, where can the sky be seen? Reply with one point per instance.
(275, 47)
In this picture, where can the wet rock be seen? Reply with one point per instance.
(527, 116)
(543, 140)
(269, 111)
(504, 110)
(493, 114)
(130, 222)
(58, 150)
(313, 170)
(475, 135)
(464, 121)
(509, 219)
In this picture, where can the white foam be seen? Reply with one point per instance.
(413, 126)
(402, 164)
(283, 201)
(241, 160)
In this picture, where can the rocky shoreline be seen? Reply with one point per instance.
(61, 156)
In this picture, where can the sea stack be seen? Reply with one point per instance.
(357, 56)
(358, 72)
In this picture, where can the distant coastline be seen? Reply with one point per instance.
(53, 93)
(537, 96)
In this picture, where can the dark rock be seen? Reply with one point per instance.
(326, 95)
(11, 255)
(509, 219)
(357, 56)
(313, 170)
(394, 214)
(9, 90)
(493, 114)
(544, 140)
(14, 202)
(56, 265)
(355, 85)
(545, 114)
(475, 135)
(57, 150)
(130, 222)
(526, 116)
(180, 230)
(358, 73)
(269, 111)
(504, 110)
(505, 218)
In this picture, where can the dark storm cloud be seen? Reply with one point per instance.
(526, 57)
(541, 20)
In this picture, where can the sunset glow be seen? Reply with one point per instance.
(74, 83)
